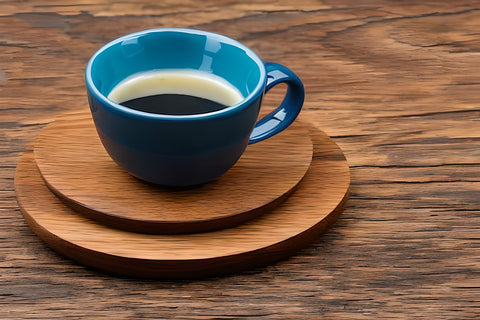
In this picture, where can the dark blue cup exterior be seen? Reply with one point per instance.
(184, 150)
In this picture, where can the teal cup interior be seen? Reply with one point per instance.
(160, 49)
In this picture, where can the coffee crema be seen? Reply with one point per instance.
(175, 92)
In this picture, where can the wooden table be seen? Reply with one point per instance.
(395, 83)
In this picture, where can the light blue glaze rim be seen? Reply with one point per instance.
(259, 89)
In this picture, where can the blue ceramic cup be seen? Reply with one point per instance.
(184, 150)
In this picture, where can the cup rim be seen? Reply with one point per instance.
(259, 89)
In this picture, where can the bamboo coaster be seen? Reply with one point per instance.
(75, 166)
(315, 205)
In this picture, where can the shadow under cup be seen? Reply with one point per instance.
(175, 150)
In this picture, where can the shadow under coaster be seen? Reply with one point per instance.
(278, 229)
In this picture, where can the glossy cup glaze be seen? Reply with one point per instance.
(183, 150)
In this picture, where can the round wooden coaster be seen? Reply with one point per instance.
(315, 205)
(75, 166)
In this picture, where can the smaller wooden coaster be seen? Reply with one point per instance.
(315, 205)
(76, 167)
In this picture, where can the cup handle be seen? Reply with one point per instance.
(280, 118)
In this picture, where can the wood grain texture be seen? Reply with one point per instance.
(315, 205)
(76, 167)
(394, 83)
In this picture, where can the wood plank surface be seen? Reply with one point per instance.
(395, 83)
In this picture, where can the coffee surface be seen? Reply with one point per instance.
(173, 104)
(175, 92)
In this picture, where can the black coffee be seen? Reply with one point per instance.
(173, 104)
(175, 92)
